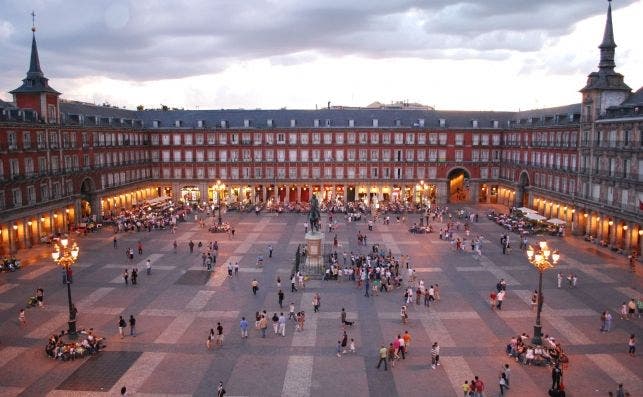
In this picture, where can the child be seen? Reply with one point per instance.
(22, 318)
(352, 346)
(339, 348)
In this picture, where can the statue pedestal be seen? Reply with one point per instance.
(314, 264)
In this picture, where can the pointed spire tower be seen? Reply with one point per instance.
(35, 92)
(604, 88)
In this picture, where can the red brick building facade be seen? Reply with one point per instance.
(62, 162)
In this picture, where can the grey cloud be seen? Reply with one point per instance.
(155, 39)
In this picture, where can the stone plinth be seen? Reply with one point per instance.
(314, 264)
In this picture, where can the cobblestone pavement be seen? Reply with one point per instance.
(179, 302)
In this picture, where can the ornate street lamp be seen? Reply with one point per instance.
(542, 258)
(219, 187)
(65, 255)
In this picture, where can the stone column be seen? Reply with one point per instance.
(26, 234)
(13, 246)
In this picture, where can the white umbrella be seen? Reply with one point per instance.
(556, 221)
(526, 210)
(535, 217)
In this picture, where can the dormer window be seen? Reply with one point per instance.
(156, 124)
(246, 123)
(200, 123)
(329, 122)
(443, 123)
(224, 124)
(316, 123)
(474, 123)
(375, 123)
(351, 123)
(178, 123)
(293, 123)
(270, 123)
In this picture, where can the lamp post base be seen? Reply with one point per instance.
(219, 220)
(538, 335)
(71, 331)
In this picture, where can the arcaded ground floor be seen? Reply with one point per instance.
(180, 302)
(618, 231)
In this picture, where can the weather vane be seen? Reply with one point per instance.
(33, 21)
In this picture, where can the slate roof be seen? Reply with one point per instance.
(306, 118)
(636, 99)
(88, 109)
(35, 82)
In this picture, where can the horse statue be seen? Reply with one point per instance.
(314, 215)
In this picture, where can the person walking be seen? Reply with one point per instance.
(220, 390)
(275, 323)
(352, 346)
(236, 269)
(243, 326)
(270, 251)
(175, 246)
(492, 299)
(191, 245)
(219, 334)
(383, 352)
(478, 386)
(148, 267)
(22, 318)
(499, 298)
(126, 277)
(316, 302)
(121, 326)
(556, 376)
(140, 248)
(115, 242)
(506, 372)
(435, 355)
(263, 325)
(282, 324)
(255, 286)
(293, 280)
(132, 325)
(40, 297)
(291, 312)
(134, 277)
(502, 382)
(208, 342)
(280, 298)
(338, 349)
(631, 345)
(559, 279)
(404, 314)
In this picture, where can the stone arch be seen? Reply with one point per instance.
(522, 192)
(88, 199)
(458, 185)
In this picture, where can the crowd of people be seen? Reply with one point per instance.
(89, 344)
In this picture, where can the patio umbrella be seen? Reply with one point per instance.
(556, 221)
(526, 210)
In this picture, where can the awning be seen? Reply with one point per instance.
(535, 217)
(526, 210)
(556, 221)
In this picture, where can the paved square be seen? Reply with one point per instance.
(180, 302)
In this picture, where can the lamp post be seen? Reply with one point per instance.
(65, 255)
(542, 258)
(219, 187)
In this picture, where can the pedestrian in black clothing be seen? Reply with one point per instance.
(280, 294)
(132, 325)
(556, 375)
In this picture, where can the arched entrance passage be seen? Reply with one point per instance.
(87, 197)
(522, 195)
(459, 191)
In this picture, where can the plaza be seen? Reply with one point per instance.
(180, 302)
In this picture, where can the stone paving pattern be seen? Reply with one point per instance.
(178, 304)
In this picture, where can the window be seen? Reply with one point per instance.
(304, 139)
(198, 139)
(443, 139)
(386, 138)
(442, 155)
(29, 167)
(292, 138)
(11, 140)
(351, 138)
(40, 140)
(410, 138)
(292, 155)
(363, 137)
(328, 155)
(223, 138)
(459, 155)
(17, 197)
(177, 156)
(328, 138)
(459, 139)
(176, 139)
(399, 138)
(374, 154)
(339, 138)
(421, 138)
(316, 138)
(433, 139)
(14, 168)
(304, 155)
(26, 140)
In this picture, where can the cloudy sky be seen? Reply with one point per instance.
(463, 55)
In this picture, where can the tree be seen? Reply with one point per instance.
(140, 108)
